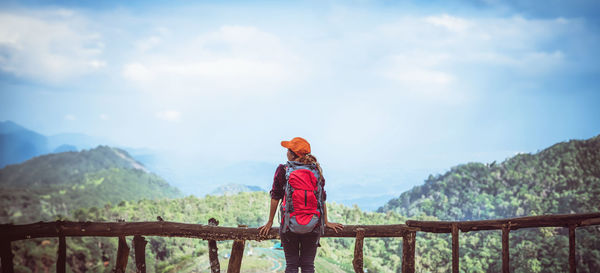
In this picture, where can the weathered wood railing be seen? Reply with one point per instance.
(212, 232)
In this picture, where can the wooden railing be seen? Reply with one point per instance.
(212, 233)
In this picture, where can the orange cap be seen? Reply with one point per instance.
(298, 145)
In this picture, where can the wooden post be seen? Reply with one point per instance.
(61, 262)
(408, 252)
(122, 255)
(455, 256)
(7, 256)
(237, 253)
(572, 265)
(139, 246)
(505, 251)
(357, 262)
(213, 251)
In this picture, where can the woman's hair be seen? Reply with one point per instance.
(310, 159)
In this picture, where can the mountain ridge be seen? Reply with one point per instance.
(232, 189)
(18, 144)
(554, 171)
(47, 186)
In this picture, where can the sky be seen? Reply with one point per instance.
(386, 92)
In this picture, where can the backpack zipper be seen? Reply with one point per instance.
(305, 198)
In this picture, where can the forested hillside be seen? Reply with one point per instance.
(564, 178)
(51, 185)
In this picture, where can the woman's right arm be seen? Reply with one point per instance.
(264, 230)
(274, 203)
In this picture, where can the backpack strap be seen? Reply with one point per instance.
(289, 190)
(289, 168)
(320, 205)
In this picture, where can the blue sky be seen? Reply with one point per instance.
(387, 92)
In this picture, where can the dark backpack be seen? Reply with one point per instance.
(302, 206)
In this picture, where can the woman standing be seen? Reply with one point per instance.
(300, 183)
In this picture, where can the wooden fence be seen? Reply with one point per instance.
(212, 233)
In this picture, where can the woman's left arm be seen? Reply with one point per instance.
(331, 225)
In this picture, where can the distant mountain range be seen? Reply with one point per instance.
(55, 184)
(18, 143)
(233, 189)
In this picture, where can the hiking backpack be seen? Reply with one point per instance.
(302, 206)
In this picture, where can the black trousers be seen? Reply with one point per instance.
(300, 251)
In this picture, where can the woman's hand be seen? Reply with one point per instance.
(264, 230)
(334, 226)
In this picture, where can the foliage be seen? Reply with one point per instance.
(50, 186)
(564, 178)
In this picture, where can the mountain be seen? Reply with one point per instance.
(18, 144)
(54, 184)
(65, 148)
(7, 127)
(232, 189)
(564, 178)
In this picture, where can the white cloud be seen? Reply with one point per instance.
(418, 76)
(169, 115)
(70, 117)
(419, 73)
(439, 55)
(148, 43)
(51, 46)
(97, 64)
(138, 73)
(416, 71)
(231, 58)
(464, 39)
(223, 73)
(451, 23)
(103, 116)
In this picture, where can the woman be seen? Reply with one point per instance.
(300, 248)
